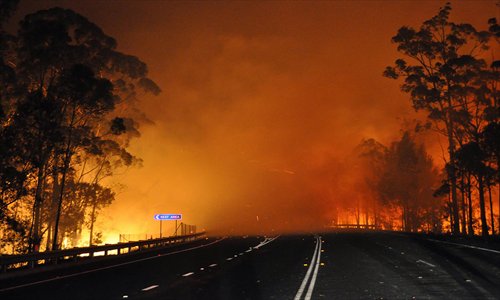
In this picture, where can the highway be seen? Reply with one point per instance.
(348, 265)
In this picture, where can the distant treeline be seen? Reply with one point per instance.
(68, 109)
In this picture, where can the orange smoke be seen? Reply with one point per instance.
(262, 106)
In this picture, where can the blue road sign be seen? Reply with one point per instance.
(168, 217)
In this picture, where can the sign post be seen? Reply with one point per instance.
(161, 217)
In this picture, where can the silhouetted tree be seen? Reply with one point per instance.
(7, 76)
(491, 140)
(373, 154)
(69, 82)
(407, 181)
(443, 54)
(471, 158)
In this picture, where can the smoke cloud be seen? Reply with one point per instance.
(261, 108)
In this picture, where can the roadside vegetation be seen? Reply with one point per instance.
(67, 113)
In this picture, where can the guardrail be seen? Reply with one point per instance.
(353, 226)
(54, 257)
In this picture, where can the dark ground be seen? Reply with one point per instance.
(354, 265)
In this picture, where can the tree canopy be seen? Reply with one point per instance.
(61, 133)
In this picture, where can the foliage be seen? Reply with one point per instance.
(403, 177)
(60, 132)
(448, 76)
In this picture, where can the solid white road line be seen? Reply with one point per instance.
(187, 274)
(308, 273)
(426, 263)
(315, 274)
(465, 246)
(150, 288)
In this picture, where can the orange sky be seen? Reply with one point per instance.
(261, 103)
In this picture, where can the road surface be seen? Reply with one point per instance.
(356, 265)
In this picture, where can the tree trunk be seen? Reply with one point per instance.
(55, 245)
(469, 195)
(357, 213)
(491, 211)
(67, 160)
(92, 220)
(367, 216)
(404, 218)
(49, 235)
(453, 181)
(53, 206)
(484, 224)
(37, 211)
(464, 221)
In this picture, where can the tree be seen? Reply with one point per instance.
(106, 156)
(373, 154)
(440, 51)
(471, 158)
(70, 80)
(407, 181)
(491, 143)
(88, 100)
(7, 80)
(401, 179)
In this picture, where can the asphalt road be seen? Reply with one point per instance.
(367, 265)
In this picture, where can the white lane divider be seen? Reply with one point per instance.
(150, 288)
(426, 263)
(265, 242)
(314, 265)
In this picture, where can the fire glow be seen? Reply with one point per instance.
(257, 127)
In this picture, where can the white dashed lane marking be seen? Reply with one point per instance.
(426, 263)
(150, 288)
